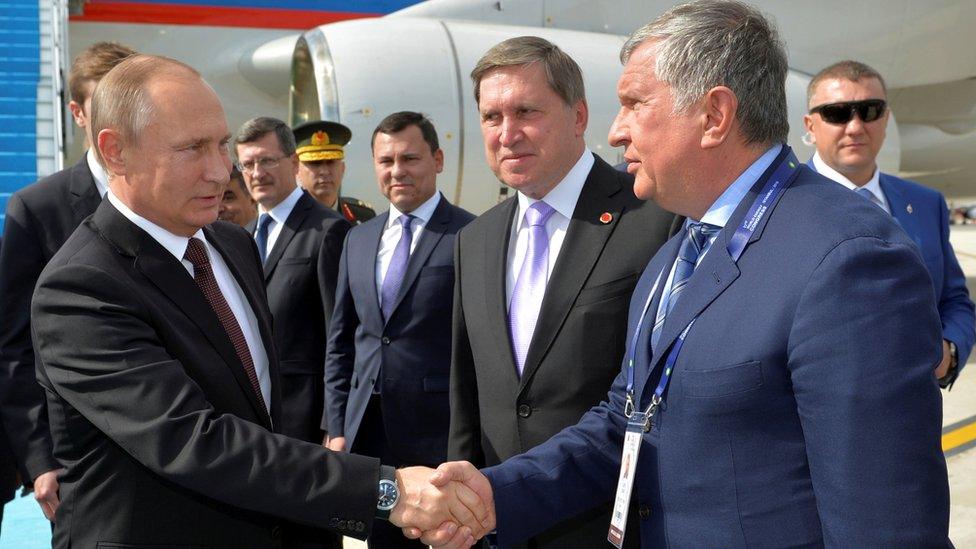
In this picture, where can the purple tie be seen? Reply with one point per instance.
(530, 286)
(397, 268)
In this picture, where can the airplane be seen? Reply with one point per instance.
(357, 62)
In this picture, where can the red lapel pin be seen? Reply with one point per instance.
(606, 217)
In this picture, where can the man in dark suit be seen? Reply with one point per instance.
(847, 120)
(154, 347)
(778, 382)
(389, 355)
(299, 241)
(544, 278)
(40, 217)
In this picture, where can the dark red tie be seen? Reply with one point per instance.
(204, 277)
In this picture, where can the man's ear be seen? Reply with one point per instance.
(78, 114)
(111, 147)
(719, 109)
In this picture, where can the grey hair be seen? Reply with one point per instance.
(709, 43)
(121, 100)
(256, 128)
(563, 74)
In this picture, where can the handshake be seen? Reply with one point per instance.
(449, 507)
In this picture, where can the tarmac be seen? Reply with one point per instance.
(25, 528)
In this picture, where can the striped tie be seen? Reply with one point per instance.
(695, 241)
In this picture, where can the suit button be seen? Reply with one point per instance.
(343, 525)
(524, 410)
(644, 511)
(360, 526)
(385, 340)
(275, 532)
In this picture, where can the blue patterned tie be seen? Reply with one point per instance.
(397, 268)
(695, 241)
(530, 286)
(261, 235)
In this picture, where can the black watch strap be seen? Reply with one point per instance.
(387, 475)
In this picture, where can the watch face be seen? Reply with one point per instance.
(388, 495)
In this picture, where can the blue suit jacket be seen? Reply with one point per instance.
(802, 410)
(412, 349)
(923, 213)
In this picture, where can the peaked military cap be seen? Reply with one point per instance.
(321, 140)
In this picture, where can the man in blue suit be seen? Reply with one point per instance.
(847, 120)
(389, 355)
(778, 377)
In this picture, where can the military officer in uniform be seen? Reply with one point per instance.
(321, 167)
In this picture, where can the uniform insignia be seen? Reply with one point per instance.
(320, 138)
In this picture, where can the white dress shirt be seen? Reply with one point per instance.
(873, 185)
(98, 172)
(562, 198)
(391, 236)
(279, 214)
(232, 292)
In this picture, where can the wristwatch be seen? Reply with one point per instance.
(947, 380)
(388, 494)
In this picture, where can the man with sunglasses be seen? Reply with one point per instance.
(847, 119)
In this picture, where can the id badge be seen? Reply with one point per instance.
(636, 426)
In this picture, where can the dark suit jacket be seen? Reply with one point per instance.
(802, 409)
(300, 274)
(163, 439)
(412, 349)
(579, 338)
(40, 217)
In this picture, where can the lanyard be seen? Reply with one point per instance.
(774, 187)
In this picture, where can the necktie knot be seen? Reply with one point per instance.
(699, 233)
(865, 193)
(263, 221)
(406, 220)
(538, 213)
(196, 253)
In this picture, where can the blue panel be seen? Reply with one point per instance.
(18, 105)
(359, 6)
(17, 162)
(18, 142)
(11, 181)
(14, 123)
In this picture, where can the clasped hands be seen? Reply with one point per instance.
(449, 507)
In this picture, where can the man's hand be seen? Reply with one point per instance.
(46, 492)
(943, 368)
(451, 512)
(447, 535)
(336, 444)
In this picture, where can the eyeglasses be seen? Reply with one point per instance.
(868, 110)
(265, 164)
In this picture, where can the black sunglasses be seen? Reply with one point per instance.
(868, 110)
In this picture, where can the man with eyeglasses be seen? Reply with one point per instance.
(847, 119)
(299, 241)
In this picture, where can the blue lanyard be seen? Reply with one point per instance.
(778, 182)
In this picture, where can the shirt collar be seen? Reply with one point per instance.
(281, 212)
(721, 210)
(423, 212)
(565, 194)
(173, 243)
(98, 172)
(873, 184)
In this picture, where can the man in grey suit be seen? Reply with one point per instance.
(389, 354)
(544, 279)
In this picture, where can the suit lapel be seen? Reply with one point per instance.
(717, 270)
(288, 230)
(365, 265)
(901, 209)
(84, 194)
(659, 268)
(252, 292)
(496, 264)
(582, 247)
(433, 232)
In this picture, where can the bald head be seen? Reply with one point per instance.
(122, 102)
